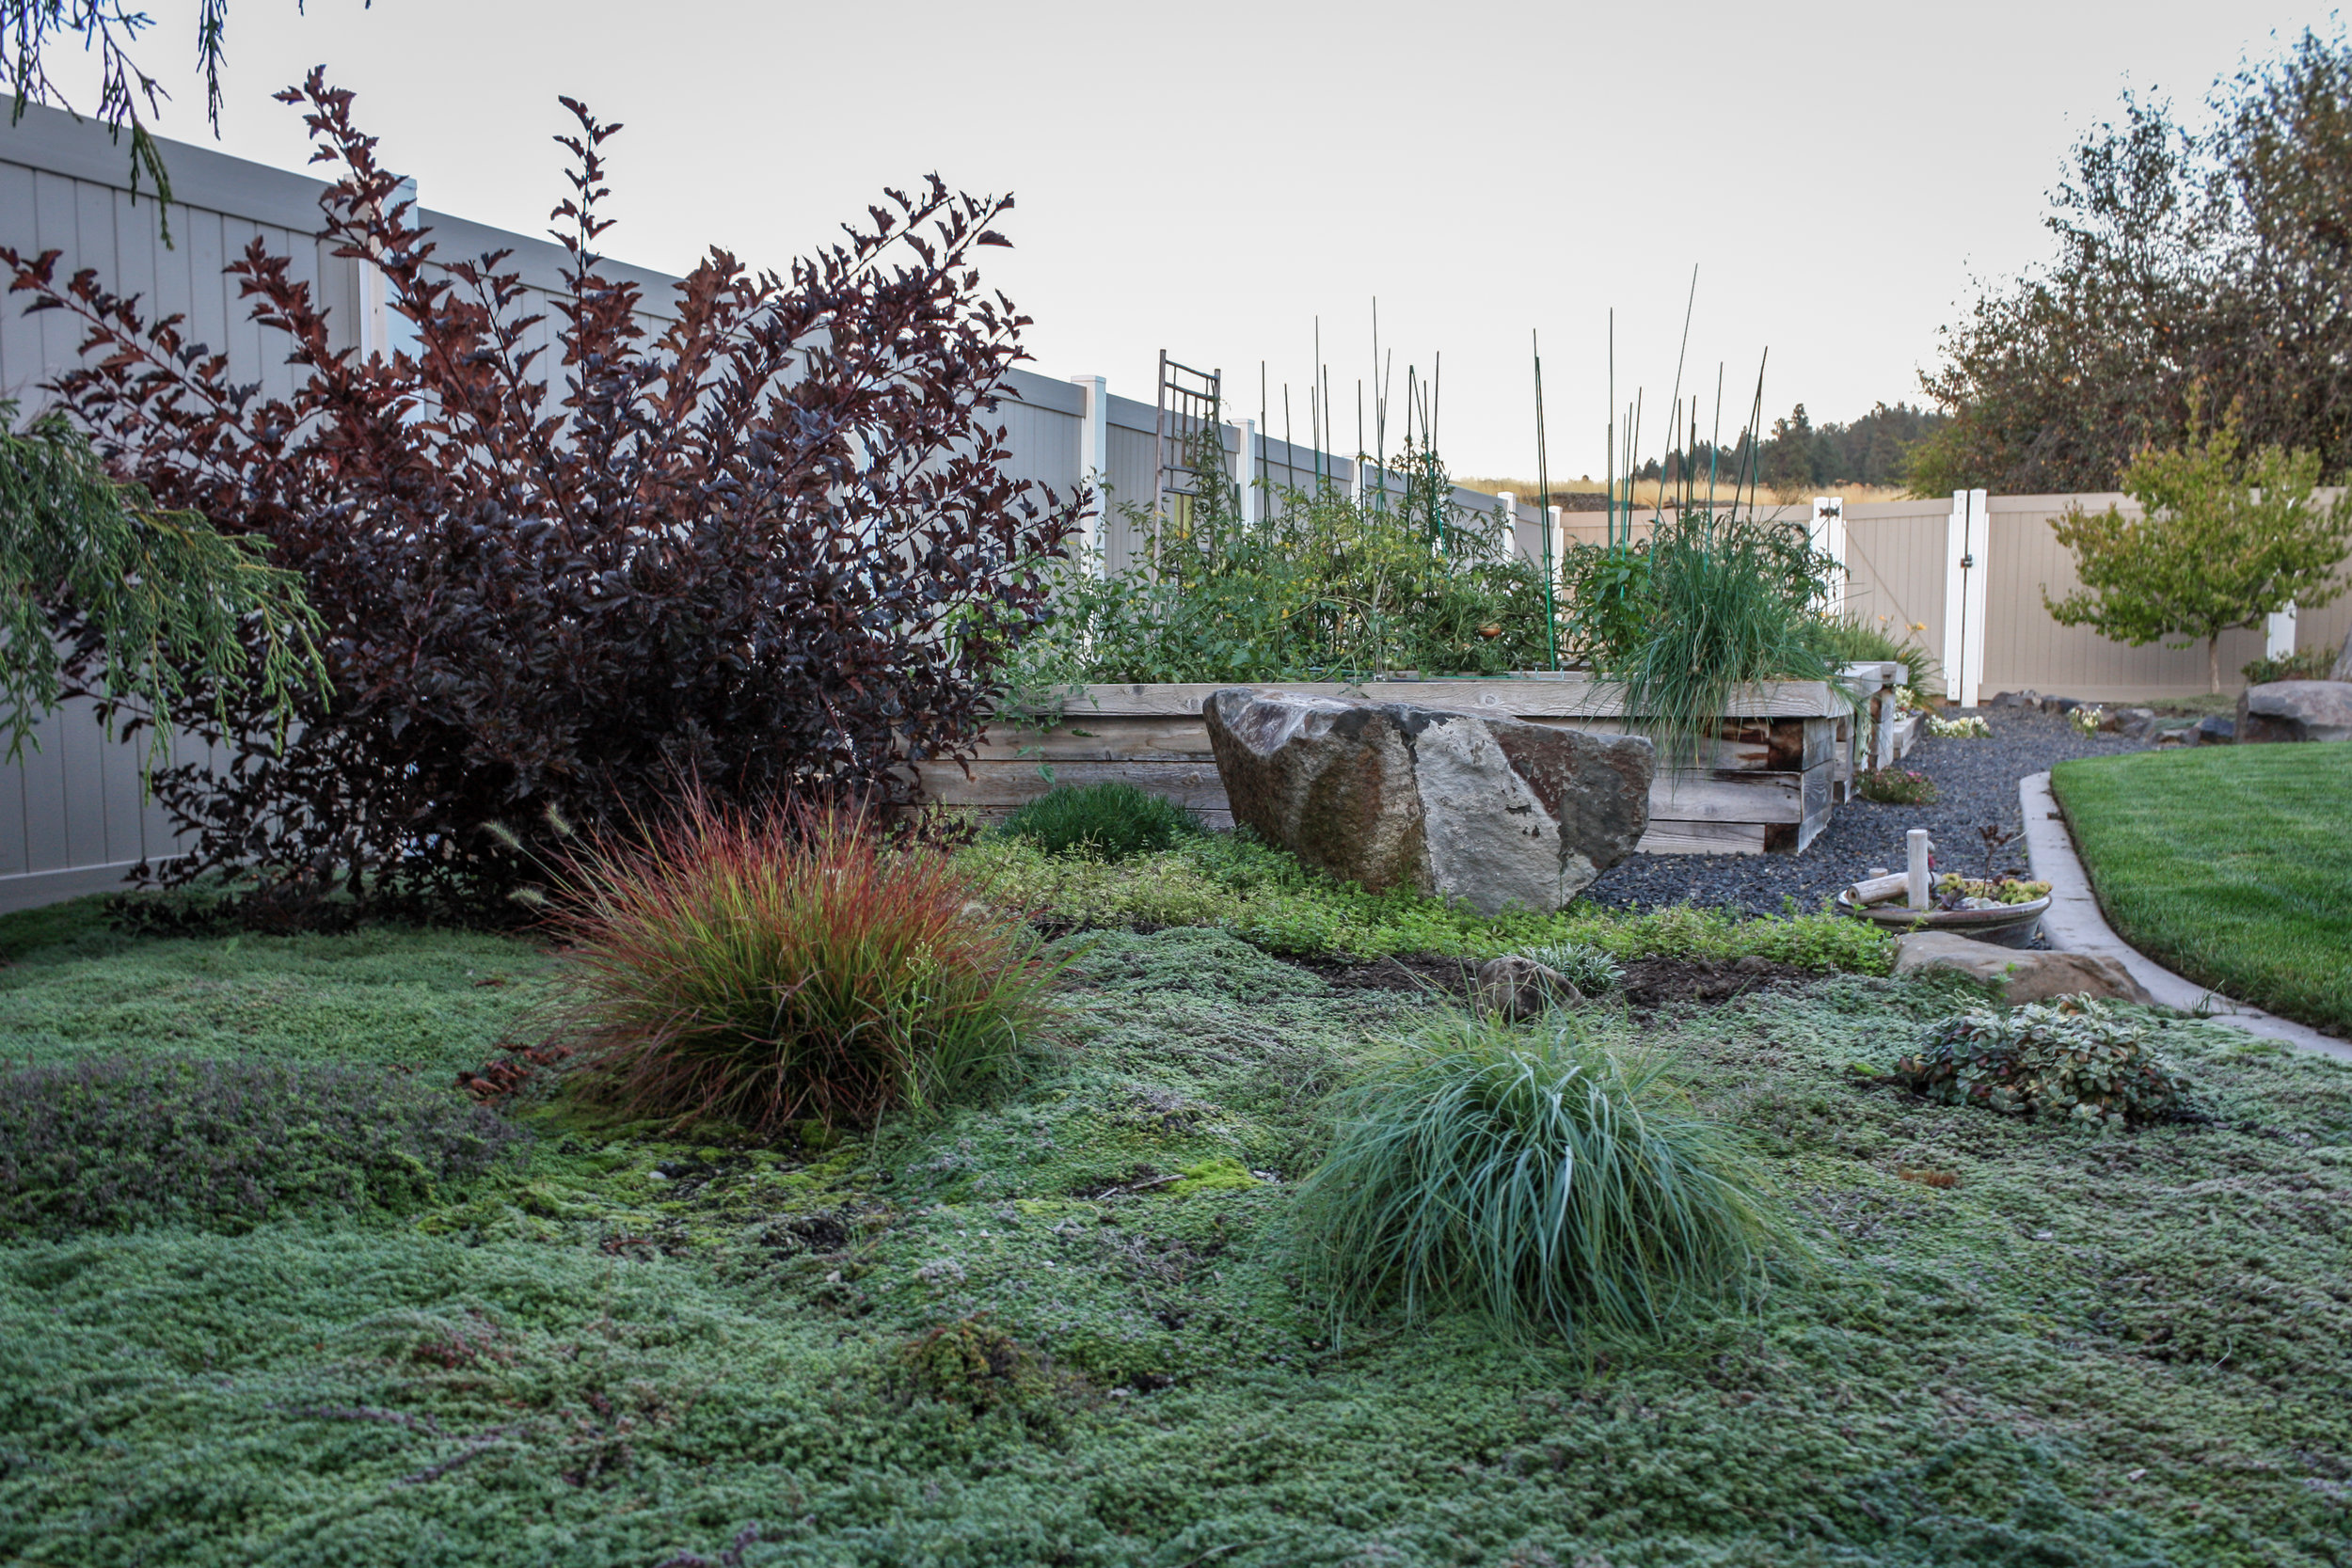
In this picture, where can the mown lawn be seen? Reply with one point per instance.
(2230, 865)
(955, 1343)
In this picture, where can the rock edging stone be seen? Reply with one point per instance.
(1494, 812)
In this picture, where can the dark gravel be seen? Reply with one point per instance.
(1976, 783)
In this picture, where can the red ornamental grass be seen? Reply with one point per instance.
(760, 968)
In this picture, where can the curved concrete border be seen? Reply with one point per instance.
(2075, 924)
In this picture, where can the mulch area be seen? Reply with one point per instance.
(1976, 785)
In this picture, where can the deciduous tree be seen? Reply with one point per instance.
(2221, 539)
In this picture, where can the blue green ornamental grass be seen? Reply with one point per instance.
(1105, 821)
(1538, 1177)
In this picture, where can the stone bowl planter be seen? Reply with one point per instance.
(2010, 926)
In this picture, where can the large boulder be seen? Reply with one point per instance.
(2295, 710)
(2018, 975)
(1491, 810)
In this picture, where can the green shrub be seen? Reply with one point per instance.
(1107, 821)
(2074, 1058)
(115, 1142)
(1895, 786)
(1329, 587)
(761, 971)
(1728, 602)
(1539, 1177)
(2309, 664)
(1587, 966)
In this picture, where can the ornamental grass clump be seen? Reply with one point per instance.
(1591, 968)
(760, 969)
(1540, 1178)
(2075, 1058)
(1103, 821)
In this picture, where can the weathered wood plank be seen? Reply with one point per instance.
(1783, 838)
(1702, 838)
(1007, 782)
(1728, 797)
(1763, 745)
(1566, 696)
(1003, 785)
(1101, 740)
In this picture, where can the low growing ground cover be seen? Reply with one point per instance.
(1267, 898)
(1065, 1326)
(2230, 865)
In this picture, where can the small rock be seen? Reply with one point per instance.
(1518, 986)
(2213, 730)
(2019, 974)
(2295, 710)
(2131, 723)
(2007, 699)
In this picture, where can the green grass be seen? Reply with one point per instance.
(1269, 900)
(2233, 865)
(987, 1339)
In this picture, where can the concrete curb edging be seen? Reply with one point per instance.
(2075, 924)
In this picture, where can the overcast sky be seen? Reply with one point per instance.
(1209, 178)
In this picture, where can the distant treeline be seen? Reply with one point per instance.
(1873, 450)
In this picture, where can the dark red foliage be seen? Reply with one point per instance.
(771, 550)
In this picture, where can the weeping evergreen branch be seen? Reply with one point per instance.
(166, 605)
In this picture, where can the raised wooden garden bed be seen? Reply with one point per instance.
(1777, 763)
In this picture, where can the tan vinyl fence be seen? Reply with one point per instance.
(1899, 557)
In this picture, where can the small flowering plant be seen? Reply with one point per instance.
(2087, 719)
(1895, 786)
(1969, 728)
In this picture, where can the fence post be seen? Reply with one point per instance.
(1094, 460)
(1507, 508)
(1246, 470)
(1963, 597)
(2279, 634)
(382, 329)
(1828, 535)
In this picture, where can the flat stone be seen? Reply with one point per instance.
(2019, 974)
(2295, 710)
(1492, 811)
(1517, 988)
(2131, 721)
(2213, 730)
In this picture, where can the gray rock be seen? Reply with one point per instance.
(2131, 721)
(2213, 730)
(1491, 810)
(2295, 710)
(1518, 986)
(2343, 671)
(2018, 975)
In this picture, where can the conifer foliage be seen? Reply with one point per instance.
(758, 536)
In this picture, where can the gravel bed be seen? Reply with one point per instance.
(1976, 785)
